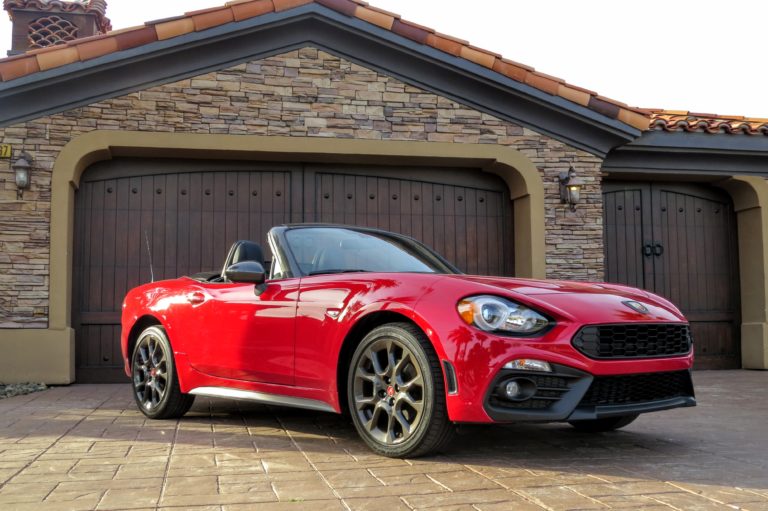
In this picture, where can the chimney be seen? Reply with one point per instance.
(41, 23)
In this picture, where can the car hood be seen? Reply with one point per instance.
(532, 287)
(600, 301)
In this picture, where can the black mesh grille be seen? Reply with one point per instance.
(633, 340)
(549, 390)
(637, 388)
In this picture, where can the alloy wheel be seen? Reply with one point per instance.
(150, 371)
(388, 391)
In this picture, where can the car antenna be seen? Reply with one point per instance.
(149, 251)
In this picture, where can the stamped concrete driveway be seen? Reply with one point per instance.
(87, 447)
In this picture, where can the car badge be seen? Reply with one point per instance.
(636, 306)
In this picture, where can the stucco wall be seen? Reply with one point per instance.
(305, 93)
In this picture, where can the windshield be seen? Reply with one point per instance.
(320, 250)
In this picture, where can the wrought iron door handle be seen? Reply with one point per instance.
(658, 249)
(647, 250)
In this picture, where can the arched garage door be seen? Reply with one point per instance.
(189, 212)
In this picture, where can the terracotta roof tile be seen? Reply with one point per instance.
(542, 83)
(13, 68)
(133, 38)
(45, 49)
(608, 100)
(174, 28)
(452, 38)
(382, 11)
(507, 68)
(60, 56)
(282, 5)
(604, 107)
(346, 7)
(163, 20)
(96, 47)
(410, 30)
(575, 95)
(82, 40)
(680, 120)
(482, 50)
(250, 8)
(444, 44)
(582, 89)
(549, 77)
(478, 57)
(209, 18)
(375, 17)
(637, 120)
(518, 64)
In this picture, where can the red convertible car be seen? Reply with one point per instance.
(359, 320)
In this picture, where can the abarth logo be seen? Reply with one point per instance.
(636, 306)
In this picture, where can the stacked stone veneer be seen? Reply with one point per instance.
(304, 93)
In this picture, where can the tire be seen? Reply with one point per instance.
(396, 393)
(153, 374)
(602, 425)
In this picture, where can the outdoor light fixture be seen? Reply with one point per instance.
(570, 188)
(21, 169)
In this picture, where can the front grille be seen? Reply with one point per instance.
(633, 340)
(637, 388)
(549, 389)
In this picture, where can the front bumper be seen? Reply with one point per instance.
(568, 394)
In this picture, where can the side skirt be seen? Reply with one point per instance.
(262, 397)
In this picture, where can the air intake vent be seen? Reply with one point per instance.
(633, 340)
(637, 388)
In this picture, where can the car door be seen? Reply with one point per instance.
(249, 335)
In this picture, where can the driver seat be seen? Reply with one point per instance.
(243, 250)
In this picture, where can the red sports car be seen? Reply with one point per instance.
(358, 320)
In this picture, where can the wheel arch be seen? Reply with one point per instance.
(141, 324)
(361, 328)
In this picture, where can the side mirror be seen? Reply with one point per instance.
(249, 272)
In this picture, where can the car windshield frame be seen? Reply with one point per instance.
(414, 248)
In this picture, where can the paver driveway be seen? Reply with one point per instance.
(87, 447)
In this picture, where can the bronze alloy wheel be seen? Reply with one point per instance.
(396, 393)
(155, 383)
(389, 391)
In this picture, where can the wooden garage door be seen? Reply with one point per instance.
(190, 218)
(679, 240)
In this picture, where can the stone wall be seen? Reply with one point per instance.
(304, 93)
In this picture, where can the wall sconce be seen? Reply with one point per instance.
(21, 169)
(570, 188)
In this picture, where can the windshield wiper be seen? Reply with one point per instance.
(322, 272)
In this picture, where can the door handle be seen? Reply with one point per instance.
(647, 250)
(195, 297)
(658, 249)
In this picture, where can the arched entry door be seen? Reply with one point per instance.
(188, 213)
(679, 241)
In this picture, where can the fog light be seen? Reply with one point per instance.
(516, 389)
(512, 389)
(529, 364)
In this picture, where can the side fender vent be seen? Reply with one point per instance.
(450, 377)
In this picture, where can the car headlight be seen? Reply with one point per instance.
(495, 314)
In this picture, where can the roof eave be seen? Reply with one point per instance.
(679, 153)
